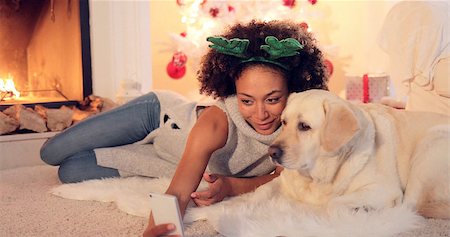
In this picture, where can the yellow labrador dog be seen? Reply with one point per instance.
(341, 155)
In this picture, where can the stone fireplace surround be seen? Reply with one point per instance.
(22, 149)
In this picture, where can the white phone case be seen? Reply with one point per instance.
(165, 210)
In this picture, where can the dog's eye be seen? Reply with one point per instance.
(303, 126)
(283, 122)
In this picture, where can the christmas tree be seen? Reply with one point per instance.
(204, 18)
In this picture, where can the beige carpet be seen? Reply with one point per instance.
(27, 209)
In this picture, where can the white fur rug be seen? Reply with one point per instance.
(261, 213)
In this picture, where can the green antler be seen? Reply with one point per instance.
(274, 47)
(281, 48)
(234, 47)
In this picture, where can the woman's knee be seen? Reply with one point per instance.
(60, 147)
(48, 152)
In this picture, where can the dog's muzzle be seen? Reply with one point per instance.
(275, 153)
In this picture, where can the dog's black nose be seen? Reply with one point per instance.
(275, 152)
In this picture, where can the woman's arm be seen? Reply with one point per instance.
(208, 134)
(245, 185)
(220, 186)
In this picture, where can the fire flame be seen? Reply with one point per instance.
(8, 89)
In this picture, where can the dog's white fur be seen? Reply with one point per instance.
(338, 154)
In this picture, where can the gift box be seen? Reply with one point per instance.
(367, 88)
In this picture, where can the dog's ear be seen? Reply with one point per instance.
(340, 126)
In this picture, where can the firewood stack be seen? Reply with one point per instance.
(41, 119)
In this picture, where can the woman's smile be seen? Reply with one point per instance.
(264, 126)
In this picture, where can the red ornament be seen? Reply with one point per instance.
(214, 11)
(304, 26)
(312, 1)
(329, 66)
(183, 34)
(230, 8)
(177, 67)
(289, 3)
(175, 72)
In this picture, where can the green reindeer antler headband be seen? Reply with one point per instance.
(274, 47)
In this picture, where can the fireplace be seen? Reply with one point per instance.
(45, 52)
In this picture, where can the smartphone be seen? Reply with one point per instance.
(165, 209)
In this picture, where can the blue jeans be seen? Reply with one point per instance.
(73, 149)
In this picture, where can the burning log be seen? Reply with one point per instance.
(7, 89)
(7, 124)
(5, 94)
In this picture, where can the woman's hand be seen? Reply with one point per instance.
(153, 230)
(218, 189)
(220, 186)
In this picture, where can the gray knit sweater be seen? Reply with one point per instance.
(244, 155)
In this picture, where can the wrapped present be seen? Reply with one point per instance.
(367, 88)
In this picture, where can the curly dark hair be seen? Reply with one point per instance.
(218, 72)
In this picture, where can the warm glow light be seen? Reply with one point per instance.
(183, 20)
(8, 89)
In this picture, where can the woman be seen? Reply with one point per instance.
(251, 69)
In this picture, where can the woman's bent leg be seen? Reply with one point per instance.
(125, 124)
(83, 166)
